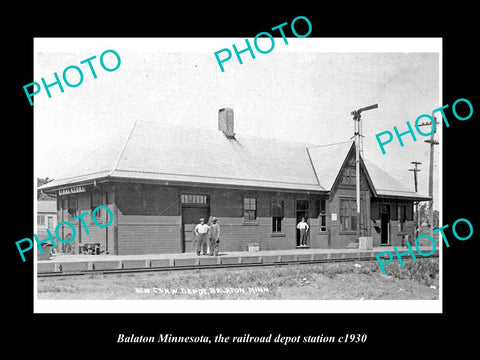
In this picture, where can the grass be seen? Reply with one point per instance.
(362, 280)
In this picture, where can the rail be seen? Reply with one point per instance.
(209, 266)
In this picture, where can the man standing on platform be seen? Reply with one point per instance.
(303, 226)
(201, 231)
(214, 237)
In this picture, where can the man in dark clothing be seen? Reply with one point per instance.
(214, 237)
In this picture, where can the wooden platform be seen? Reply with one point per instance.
(87, 263)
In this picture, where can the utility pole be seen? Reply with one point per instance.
(432, 143)
(415, 170)
(417, 220)
(359, 150)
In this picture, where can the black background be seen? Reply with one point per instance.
(388, 334)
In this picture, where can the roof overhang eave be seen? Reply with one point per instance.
(55, 187)
(404, 197)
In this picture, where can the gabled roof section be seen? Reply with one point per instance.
(328, 160)
(388, 186)
(93, 164)
(156, 151)
(351, 157)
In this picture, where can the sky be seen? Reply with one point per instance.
(304, 91)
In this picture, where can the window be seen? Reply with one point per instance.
(323, 216)
(96, 200)
(72, 205)
(277, 215)
(50, 222)
(40, 219)
(349, 176)
(277, 224)
(402, 210)
(302, 205)
(249, 209)
(64, 203)
(194, 199)
(348, 215)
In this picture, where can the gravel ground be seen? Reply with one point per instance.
(335, 281)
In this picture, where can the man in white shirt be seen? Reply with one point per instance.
(201, 232)
(303, 226)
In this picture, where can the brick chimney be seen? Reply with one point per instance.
(225, 122)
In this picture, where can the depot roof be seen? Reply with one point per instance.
(154, 151)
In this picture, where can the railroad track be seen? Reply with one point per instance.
(210, 266)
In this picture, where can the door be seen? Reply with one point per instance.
(302, 211)
(190, 218)
(385, 224)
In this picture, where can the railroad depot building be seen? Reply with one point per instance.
(159, 180)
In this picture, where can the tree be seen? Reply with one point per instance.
(40, 195)
(423, 212)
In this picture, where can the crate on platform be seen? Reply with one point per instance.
(365, 243)
(253, 247)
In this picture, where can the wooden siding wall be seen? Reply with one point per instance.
(340, 239)
(95, 234)
(146, 199)
(397, 237)
(140, 234)
(149, 218)
(63, 230)
(236, 234)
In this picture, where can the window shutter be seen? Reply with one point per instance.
(393, 211)
(277, 208)
(375, 210)
(409, 212)
(72, 203)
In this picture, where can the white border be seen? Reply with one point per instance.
(238, 306)
(323, 45)
(186, 45)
